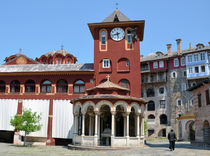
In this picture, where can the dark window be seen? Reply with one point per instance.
(30, 86)
(152, 78)
(142, 92)
(79, 87)
(161, 90)
(196, 70)
(163, 119)
(46, 87)
(207, 97)
(161, 76)
(150, 132)
(162, 104)
(129, 37)
(62, 86)
(124, 83)
(199, 100)
(15, 86)
(174, 74)
(103, 37)
(179, 102)
(2, 87)
(202, 68)
(151, 106)
(151, 116)
(150, 92)
(185, 73)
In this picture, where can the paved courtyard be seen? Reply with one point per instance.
(153, 148)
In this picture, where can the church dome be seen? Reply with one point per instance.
(57, 57)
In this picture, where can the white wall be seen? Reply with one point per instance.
(39, 106)
(62, 119)
(8, 109)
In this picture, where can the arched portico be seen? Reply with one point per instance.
(107, 119)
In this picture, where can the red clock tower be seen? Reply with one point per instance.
(117, 51)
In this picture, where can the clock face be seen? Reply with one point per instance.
(117, 34)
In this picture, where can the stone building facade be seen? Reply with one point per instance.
(175, 103)
(201, 98)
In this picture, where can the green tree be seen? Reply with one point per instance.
(145, 128)
(28, 122)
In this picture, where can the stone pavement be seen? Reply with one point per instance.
(152, 148)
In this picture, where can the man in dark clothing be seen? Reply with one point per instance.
(172, 139)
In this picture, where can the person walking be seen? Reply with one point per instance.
(172, 139)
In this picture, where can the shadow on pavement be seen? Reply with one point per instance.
(177, 145)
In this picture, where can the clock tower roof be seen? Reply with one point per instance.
(116, 16)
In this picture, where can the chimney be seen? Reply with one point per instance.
(190, 47)
(169, 49)
(178, 41)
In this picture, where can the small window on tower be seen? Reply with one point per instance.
(103, 37)
(129, 37)
(106, 63)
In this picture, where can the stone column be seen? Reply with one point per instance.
(76, 123)
(142, 126)
(124, 120)
(113, 128)
(90, 124)
(83, 128)
(137, 124)
(127, 128)
(96, 130)
(83, 124)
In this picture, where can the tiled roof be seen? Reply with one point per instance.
(154, 56)
(116, 14)
(108, 85)
(46, 67)
(63, 52)
(109, 96)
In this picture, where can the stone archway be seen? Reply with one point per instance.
(120, 121)
(105, 125)
(89, 121)
(206, 132)
(192, 131)
(132, 123)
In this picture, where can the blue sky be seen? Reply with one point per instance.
(39, 26)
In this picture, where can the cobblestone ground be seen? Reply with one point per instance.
(152, 148)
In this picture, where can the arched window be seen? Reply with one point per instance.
(150, 92)
(30, 86)
(2, 86)
(62, 86)
(15, 86)
(151, 106)
(79, 86)
(46, 87)
(124, 83)
(129, 36)
(151, 116)
(161, 90)
(102, 81)
(103, 37)
(163, 119)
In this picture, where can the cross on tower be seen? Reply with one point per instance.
(20, 50)
(108, 76)
(116, 5)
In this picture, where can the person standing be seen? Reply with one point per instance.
(172, 139)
